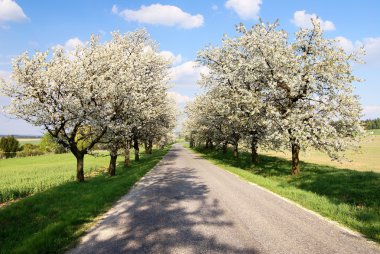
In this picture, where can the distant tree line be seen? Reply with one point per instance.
(10, 147)
(371, 124)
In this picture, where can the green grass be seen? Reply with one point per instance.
(21, 177)
(51, 221)
(349, 197)
(375, 131)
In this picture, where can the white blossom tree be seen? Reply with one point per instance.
(296, 94)
(97, 93)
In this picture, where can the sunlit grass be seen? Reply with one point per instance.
(52, 220)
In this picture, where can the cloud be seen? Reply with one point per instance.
(303, 20)
(176, 59)
(214, 7)
(371, 46)
(10, 11)
(70, 45)
(345, 43)
(158, 14)
(187, 73)
(246, 9)
(371, 111)
(179, 98)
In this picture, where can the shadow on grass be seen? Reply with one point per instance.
(358, 190)
(49, 221)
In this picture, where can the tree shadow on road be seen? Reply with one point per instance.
(167, 212)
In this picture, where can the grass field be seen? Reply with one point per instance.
(21, 177)
(349, 197)
(367, 158)
(52, 220)
(34, 141)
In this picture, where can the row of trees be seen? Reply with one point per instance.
(371, 124)
(267, 91)
(112, 93)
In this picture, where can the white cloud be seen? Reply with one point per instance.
(158, 14)
(10, 11)
(371, 46)
(176, 59)
(179, 98)
(70, 45)
(246, 9)
(187, 74)
(345, 43)
(214, 7)
(303, 20)
(371, 111)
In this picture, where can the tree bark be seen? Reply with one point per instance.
(150, 147)
(191, 141)
(254, 154)
(137, 149)
(80, 165)
(295, 159)
(127, 159)
(112, 166)
(236, 152)
(225, 144)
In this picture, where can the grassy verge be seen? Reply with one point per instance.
(52, 220)
(349, 197)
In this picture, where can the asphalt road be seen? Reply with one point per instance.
(187, 205)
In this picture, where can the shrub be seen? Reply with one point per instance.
(9, 145)
(49, 145)
(29, 150)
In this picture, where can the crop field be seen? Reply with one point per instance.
(21, 177)
(367, 158)
(34, 141)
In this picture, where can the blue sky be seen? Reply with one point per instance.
(182, 28)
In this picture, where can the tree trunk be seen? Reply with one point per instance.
(225, 144)
(295, 159)
(80, 164)
(112, 166)
(150, 147)
(236, 152)
(137, 149)
(254, 154)
(146, 148)
(191, 141)
(127, 159)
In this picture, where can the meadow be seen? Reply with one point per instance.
(21, 177)
(367, 158)
(348, 193)
(51, 221)
(33, 141)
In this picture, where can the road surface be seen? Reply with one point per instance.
(187, 205)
